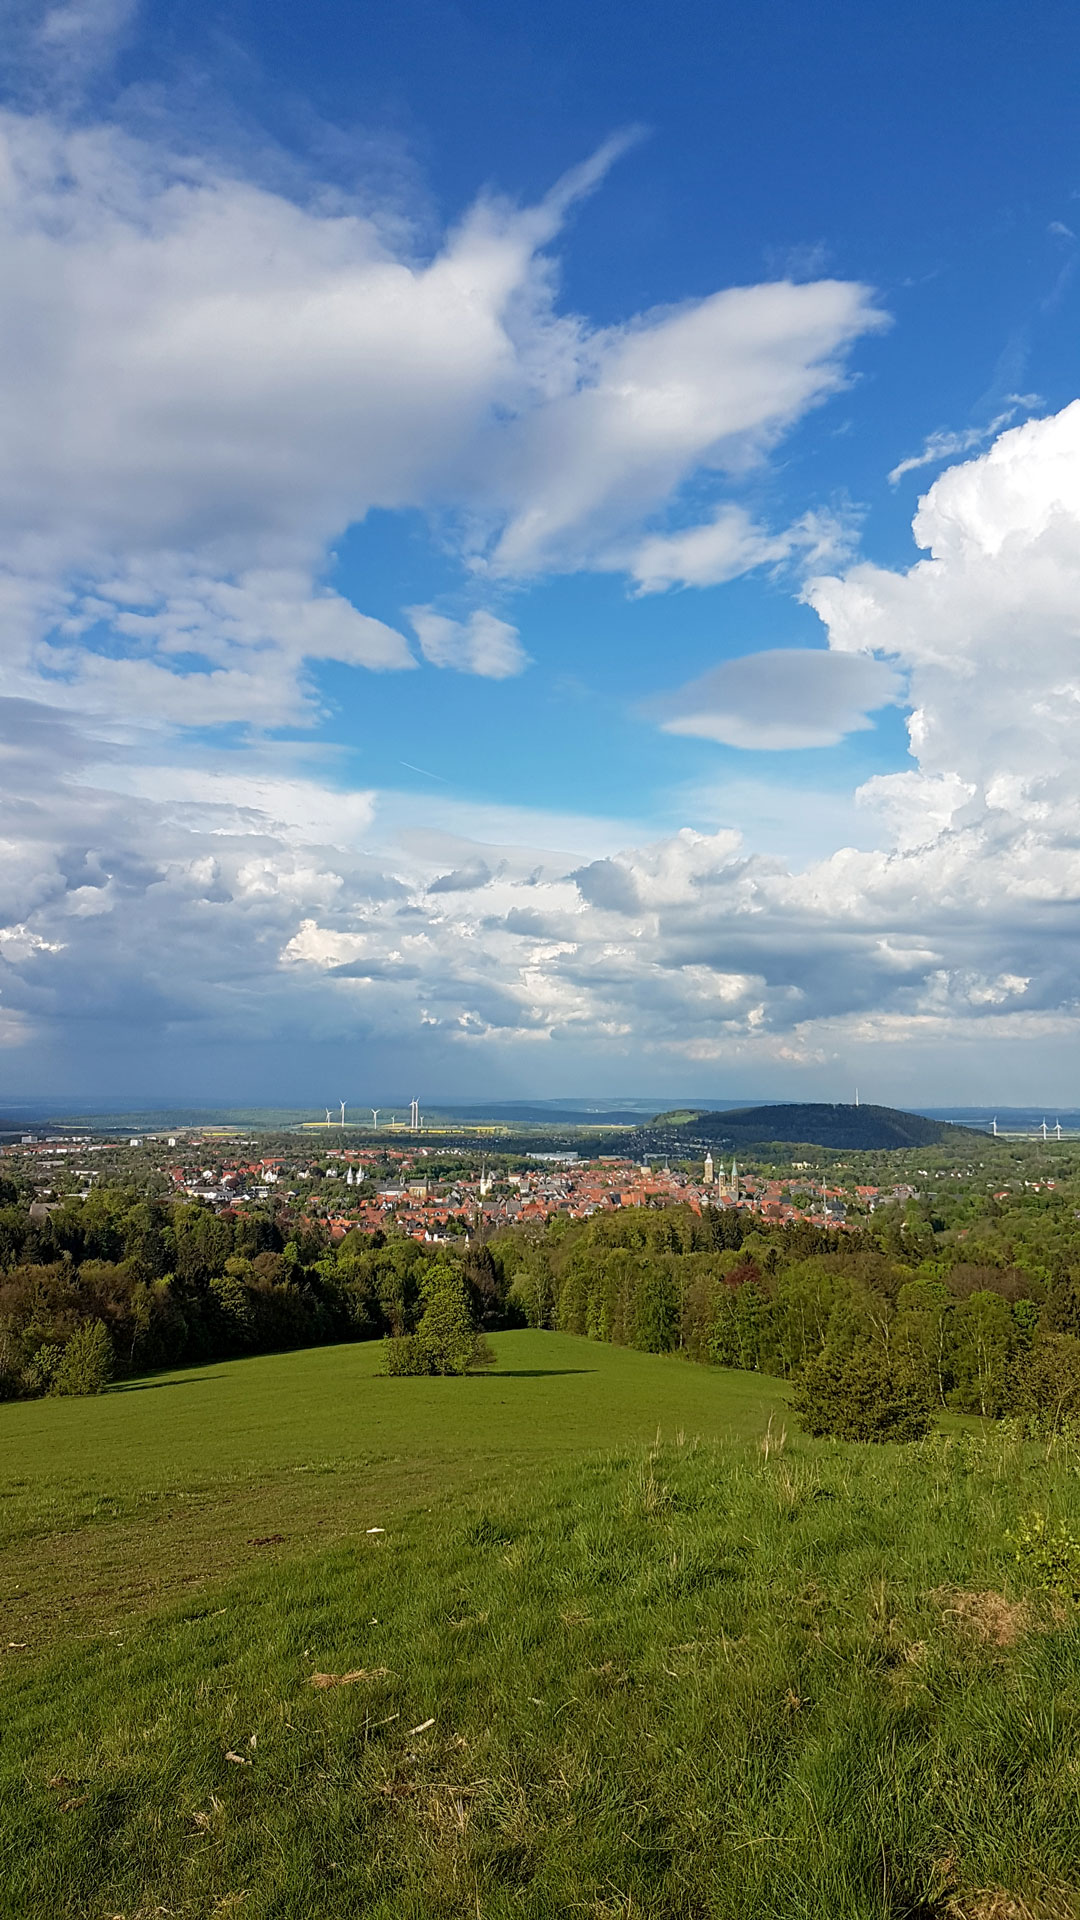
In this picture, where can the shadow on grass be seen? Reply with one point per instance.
(154, 1386)
(531, 1373)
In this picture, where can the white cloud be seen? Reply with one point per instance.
(55, 50)
(481, 644)
(729, 544)
(182, 917)
(712, 385)
(960, 928)
(295, 812)
(215, 618)
(204, 382)
(17, 943)
(198, 649)
(704, 556)
(946, 443)
(84, 29)
(986, 628)
(784, 697)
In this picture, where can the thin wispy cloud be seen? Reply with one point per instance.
(946, 444)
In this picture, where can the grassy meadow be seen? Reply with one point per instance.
(723, 1674)
(112, 1504)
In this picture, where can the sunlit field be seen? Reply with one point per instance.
(296, 1641)
(112, 1504)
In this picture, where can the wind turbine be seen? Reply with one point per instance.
(994, 1125)
(1057, 1128)
(343, 1113)
(375, 1112)
(328, 1116)
(1044, 1129)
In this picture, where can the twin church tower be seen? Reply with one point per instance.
(727, 1188)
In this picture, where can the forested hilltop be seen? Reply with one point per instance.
(851, 1128)
(971, 1287)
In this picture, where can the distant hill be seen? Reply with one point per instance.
(817, 1124)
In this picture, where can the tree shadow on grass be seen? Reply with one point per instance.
(532, 1373)
(154, 1386)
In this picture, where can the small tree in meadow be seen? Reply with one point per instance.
(447, 1339)
(860, 1396)
(87, 1363)
(447, 1328)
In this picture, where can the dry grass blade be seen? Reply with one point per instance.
(352, 1679)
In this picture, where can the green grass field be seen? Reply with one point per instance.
(579, 1671)
(111, 1505)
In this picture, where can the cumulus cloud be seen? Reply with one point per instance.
(986, 628)
(608, 884)
(781, 698)
(482, 644)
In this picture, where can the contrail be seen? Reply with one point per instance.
(424, 771)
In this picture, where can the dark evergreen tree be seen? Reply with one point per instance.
(860, 1396)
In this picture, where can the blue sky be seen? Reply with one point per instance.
(463, 628)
